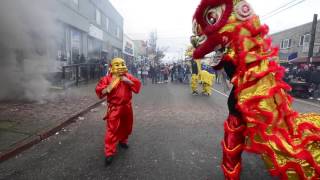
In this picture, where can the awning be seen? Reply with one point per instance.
(293, 56)
(305, 60)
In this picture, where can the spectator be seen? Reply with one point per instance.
(173, 72)
(316, 83)
(187, 73)
(82, 59)
(158, 73)
(161, 73)
(180, 73)
(166, 73)
(144, 74)
(134, 70)
(153, 74)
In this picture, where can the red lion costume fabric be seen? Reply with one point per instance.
(261, 119)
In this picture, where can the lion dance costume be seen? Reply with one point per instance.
(199, 75)
(119, 94)
(261, 119)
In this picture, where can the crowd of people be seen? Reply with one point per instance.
(306, 74)
(162, 73)
(181, 73)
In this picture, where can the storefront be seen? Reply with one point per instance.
(95, 43)
(128, 51)
(70, 46)
(75, 39)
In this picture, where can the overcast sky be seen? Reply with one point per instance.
(172, 18)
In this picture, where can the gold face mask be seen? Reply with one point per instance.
(118, 67)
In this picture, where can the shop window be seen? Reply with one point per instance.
(75, 46)
(98, 17)
(107, 24)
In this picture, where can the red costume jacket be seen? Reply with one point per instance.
(122, 93)
(119, 114)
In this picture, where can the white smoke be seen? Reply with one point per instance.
(27, 36)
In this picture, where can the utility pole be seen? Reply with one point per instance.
(313, 36)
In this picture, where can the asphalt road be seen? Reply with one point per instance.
(176, 136)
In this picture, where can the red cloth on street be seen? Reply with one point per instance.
(119, 114)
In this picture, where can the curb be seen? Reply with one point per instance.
(42, 135)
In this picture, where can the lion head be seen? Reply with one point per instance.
(213, 24)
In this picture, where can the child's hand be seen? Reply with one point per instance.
(126, 80)
(108, 89)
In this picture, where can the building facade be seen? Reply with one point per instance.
(294, 43)
(128, 51)
(92, 28)
(140, 50)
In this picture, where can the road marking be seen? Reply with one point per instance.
(220, 92)
(306, 102)
(295, 99)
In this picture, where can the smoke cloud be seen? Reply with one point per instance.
(28, 34)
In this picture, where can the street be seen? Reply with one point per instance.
(176, 136)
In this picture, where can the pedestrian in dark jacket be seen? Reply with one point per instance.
(153, 74)
(173, 72)
(316, 83)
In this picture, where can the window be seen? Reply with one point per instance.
(118, 32)
(75, 46)
(301, 40)
(98, 17)
(286, 43)
(115, 53)
(305, 40)
(107, 24)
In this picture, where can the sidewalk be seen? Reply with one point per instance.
(25, 124)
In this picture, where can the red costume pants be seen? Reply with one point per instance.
(233, 142)
(119, 126)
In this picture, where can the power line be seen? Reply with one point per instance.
(160, 36)
(273, 11)
(267, 17)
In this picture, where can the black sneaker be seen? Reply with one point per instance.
(195, 93)
(108, 160)
(124, 145)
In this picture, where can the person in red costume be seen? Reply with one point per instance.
(117, 86)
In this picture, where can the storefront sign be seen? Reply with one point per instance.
(95, 32)
(128, 46)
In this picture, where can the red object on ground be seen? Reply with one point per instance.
(119, 113)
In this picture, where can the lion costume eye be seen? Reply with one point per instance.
(213, 15)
